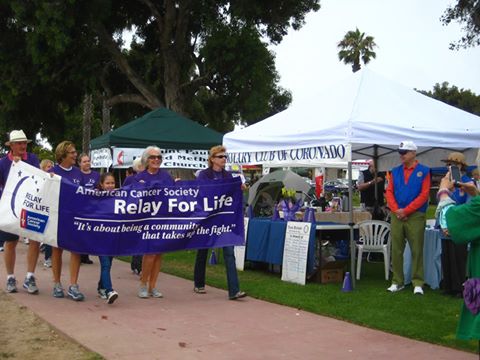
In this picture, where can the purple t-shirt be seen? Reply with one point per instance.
(6, 163)
(210, 174)
(162, 176)
(129, 180)
(74, 175)
(91, 180)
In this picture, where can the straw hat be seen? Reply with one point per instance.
(456, 158)
(17, 136)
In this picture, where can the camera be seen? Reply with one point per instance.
(455, 175)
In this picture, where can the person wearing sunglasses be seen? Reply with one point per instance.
(216, 170)
(151, 263)
(407, 197)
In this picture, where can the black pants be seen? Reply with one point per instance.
(454, 266)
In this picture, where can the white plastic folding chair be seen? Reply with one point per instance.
(374, 237)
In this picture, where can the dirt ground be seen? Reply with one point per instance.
(23, 335)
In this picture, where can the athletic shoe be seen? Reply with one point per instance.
(1, 248)
(143, 292)
(85, 259)
(200, 290)
(137, 272)
(156, 294)
(112, 296)
(58, 291)
(11, 285)
(418, 290)
(102, 294)
(30, 285)
(238, 295)
(47, 263)
(74, 293)
(395, 288)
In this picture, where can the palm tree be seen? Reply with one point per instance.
(355, 45)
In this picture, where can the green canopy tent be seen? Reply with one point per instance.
(184, 142)
(163, 128)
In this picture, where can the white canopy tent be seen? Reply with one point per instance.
(363, 116)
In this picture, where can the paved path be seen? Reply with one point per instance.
(184, 325)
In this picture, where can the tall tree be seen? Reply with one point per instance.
(452, 95)
(467, 13)
(207, 59)
(355, 46)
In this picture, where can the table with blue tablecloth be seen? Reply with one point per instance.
(266, 239)
(432, 259)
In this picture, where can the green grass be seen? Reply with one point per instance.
(432, 318)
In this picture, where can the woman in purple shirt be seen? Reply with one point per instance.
(90, 177)
(90, 180)
(66, 156)
(151, 263)
(217, 160)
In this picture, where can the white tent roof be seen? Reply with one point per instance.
(362, 110)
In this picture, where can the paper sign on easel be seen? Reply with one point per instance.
(240, 250)
(294, 265)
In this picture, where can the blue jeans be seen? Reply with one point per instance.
(105, 278)
(229, 258)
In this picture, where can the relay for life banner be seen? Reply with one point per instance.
(131, 220)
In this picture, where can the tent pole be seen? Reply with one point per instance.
(350, 222)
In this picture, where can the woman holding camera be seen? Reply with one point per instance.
(454, 256)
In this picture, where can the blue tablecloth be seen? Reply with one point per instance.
(266, 239)
(432, 259)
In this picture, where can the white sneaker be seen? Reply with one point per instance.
(395, 288)
(418, 290)
(156, 294)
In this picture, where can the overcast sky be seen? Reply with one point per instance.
(413, 46)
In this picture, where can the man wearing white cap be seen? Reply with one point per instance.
(18, 152)
(407, 196)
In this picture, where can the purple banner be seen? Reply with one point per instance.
(144, 219)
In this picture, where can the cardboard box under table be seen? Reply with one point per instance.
(332, 272)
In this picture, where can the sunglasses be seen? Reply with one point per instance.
(403, 152)
(220, 156)
(155, 157)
